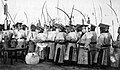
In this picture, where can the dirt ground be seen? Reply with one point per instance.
(45, 66)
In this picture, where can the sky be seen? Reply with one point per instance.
(33, 10)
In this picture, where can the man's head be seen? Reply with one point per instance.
(33, 27)
(84, 28)
(92, 27)
(104, 28)
(19, 25)
(24, 27)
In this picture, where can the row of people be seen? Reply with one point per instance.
(70, 43)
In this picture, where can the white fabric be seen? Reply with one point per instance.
(32, 58)
(73, 35)
(30, 37)
(20, 40)
(43, 37)
(20, 34)
(112, 59)
(60, 36)
(51, 35)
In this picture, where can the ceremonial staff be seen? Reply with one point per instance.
(69, 17)
(101, 12)
(48, 15)
(114, 13)
(95, 15)
(7, 12)
(81, 14)
(42, 14)
(26, 16)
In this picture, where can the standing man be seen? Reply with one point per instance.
(20, 34)
(31, 38)
(60, 45)
(71, 52)
(83, 46)
(104, 43)
(92, 44)
(115, 59)
(51, 43)
(40, 44)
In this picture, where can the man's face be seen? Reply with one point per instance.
(83, 29)
(19, 26)
(58, 30)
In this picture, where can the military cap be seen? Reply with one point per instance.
(18, 23)
(83, 25)
(61, 27)
(67, 26)
(92, 26)
(24, 27)
(103, 25)
(33, 27)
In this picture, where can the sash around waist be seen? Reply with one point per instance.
(82, 44)
(83, 48)
(106, 45)
(71, 41)
(93, 42)
(57, 41)
(47, 41)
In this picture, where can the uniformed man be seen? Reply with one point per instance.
(115, 58)
(31, 38)
(83, 46)
(20, 36)
(104, 43)
(51, 43)
(92, 44)
(60, 44)
(67, 30)
(41, 44)
(71, 52)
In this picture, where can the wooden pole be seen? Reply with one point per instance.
(95, 16)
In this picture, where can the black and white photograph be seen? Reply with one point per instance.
(59, 34)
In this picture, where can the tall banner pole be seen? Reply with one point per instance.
(6, 14)
(58, 11)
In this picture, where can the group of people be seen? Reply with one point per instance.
(75, 44)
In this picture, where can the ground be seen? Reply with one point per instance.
(45, 66)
